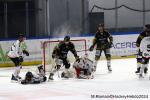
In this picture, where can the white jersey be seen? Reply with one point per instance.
(84, 63)
(145, 47)
(15, 50)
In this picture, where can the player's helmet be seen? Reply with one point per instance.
(67, 38)
(28, 76)
(101, 25)
(147, 26)
(20, 35)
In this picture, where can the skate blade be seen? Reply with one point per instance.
(14, 81)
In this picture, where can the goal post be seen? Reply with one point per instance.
(48, 46)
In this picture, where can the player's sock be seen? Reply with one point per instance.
(17, 72)
(109, 65)
(95, 65)
(142, 70)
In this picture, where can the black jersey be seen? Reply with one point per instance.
(102, 40)
(141, 36)
(62, 49)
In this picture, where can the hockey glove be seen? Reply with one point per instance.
(91, 48)
(26, 52)
(77, 59)
(139, 53)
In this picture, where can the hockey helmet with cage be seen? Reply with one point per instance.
(28, 76)
(147, 27)
(67, 38)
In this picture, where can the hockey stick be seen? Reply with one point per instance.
(55, 68)
(128, 55)
(83, 50)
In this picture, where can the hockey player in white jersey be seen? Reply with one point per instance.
(145, 49)
(84, 68)
(35, 78)
(142, 35)
(16, 55)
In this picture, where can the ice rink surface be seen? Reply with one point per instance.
(121, 82)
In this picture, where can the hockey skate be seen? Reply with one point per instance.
(138, 70)
(17, 78)
(51, 76)
(64, 75)
(145, 70)
(141, 76)
(109, 69)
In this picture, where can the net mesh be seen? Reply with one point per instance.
(48, 47)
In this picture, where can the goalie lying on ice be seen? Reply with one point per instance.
(84, 68)
(31, 78)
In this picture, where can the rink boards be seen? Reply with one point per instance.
(123, 45)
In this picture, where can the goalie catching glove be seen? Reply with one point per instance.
(25, 52)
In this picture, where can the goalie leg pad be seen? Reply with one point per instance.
(77, 72)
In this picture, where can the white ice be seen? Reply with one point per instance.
(122, 81)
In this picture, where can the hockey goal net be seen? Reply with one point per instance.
(48, 47)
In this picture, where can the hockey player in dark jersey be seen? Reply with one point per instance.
(142, 35)
(59, 54)
(141, 61)
(103, 41)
